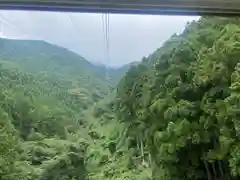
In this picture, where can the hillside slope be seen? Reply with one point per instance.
(174, 116)
(58, 64)
(46, 94)
(183, 105)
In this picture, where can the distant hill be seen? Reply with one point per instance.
(58, 64)
(115, 74)
(57, 115)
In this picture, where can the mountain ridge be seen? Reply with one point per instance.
(96, 63)
(40, 56)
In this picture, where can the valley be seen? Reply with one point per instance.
(173, 116)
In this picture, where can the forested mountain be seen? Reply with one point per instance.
(182, 107)
(45, 91)
(58, 65)
(174, 116)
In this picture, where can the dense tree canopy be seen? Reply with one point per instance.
(174, 116)
(184, 104)
(46, 92)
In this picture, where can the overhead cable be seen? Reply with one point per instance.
(106, 32)
(71, 19)
(12, 24)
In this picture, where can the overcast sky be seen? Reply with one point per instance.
(131, 36)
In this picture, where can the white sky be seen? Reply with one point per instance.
(131, 36)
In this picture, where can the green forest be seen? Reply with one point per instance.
(173, 116)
